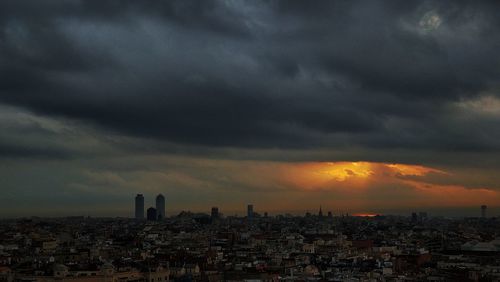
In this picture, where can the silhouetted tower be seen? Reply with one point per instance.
(483, 211)
(414, 217)
(215, 213)
(152, 214)
(160, 206)
(139, 206)
(320, 213)
(250, 211)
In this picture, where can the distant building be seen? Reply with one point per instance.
(152, 214)
(330, 214)
(320, 213)
(214, 213)
(414, 217)
(250, 211)
(160, 206)
(139, 206)
(483, 211)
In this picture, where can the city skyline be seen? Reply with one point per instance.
(142, 211)
(366, 107)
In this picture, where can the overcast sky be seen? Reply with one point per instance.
(358, 106)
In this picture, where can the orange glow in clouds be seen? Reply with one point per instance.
(344, 170)
(313, 174)
(416, 170)
(316, 175)
(414, 183)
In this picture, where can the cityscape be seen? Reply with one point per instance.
(321, 246)
(249, 140)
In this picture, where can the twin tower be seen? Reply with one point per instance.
(152, 213)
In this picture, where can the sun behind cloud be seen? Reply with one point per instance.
(318, 175)
(341, 171)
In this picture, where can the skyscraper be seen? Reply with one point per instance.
(250, 211)
(139, 206)
(414, 217)
(215, 213)
(160, 206)
(483, 211)
(152, 215)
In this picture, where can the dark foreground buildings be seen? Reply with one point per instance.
(191, 247)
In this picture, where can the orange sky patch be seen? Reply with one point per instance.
(415, 170)
(366, 214)
(371, 178)
(317, 175)
(454, 195)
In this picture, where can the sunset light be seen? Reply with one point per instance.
(345, 170)
(352, 174)
(416, 170)
(366, 214)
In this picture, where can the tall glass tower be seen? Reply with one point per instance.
(250, 211)
(139, 206)
(160, 206)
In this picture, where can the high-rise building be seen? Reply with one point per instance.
(139, 206)
(414, 217)
(214, 213)
(152, 214)
(320, 213)
(160, 206)
(483, 211)
(250, 211)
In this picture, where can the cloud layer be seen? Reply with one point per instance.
(414, 82)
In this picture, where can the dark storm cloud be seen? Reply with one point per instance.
(17, 151)
(270, 74)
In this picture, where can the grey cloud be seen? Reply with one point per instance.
(270, 74)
